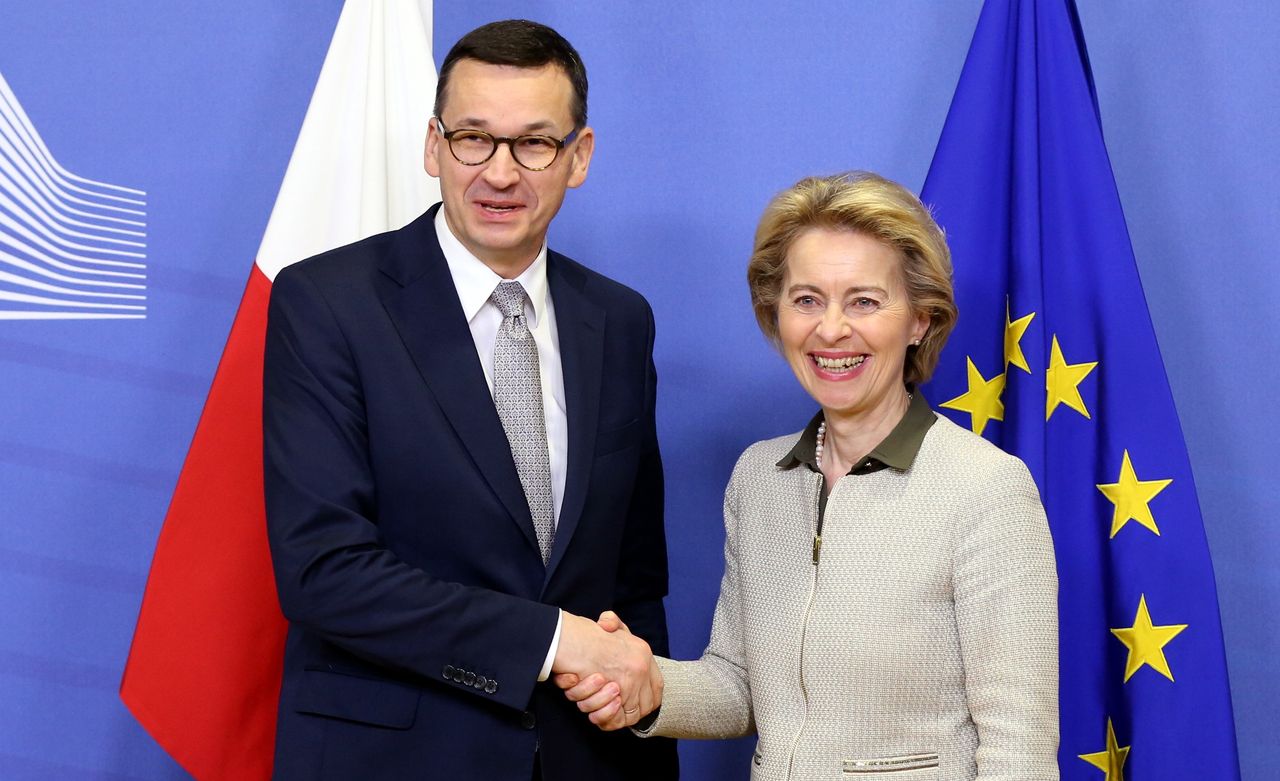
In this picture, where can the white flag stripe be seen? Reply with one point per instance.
(357, 169)
(11, 111)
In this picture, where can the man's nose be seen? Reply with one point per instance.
(502, 170)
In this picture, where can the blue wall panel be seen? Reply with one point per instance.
(702, 112)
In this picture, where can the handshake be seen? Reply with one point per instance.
(609, 672)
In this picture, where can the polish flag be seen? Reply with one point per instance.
(203, 674)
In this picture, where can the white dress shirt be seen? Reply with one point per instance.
(474, 283)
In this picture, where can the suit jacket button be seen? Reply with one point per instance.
(480, 682)
(458, 675)
(469, 678)
(491, 687)
(447, 672)
(528, 720)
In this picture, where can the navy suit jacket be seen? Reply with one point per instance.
(405, 557)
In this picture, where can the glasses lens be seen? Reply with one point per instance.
(471, 146)
(536, 151)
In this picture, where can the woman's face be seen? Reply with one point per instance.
(845, 321)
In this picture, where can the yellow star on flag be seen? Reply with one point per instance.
(1062, 380)
(1110, 761)
(1146, 642)
(982, 400)
(1131, 497)
(1013, 331)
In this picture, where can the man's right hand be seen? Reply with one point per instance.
(609, 672)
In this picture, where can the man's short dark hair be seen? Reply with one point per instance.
(523, 44)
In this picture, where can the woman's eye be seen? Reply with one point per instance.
(864, 304)
(807, 304)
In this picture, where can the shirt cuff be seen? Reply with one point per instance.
(545, 673)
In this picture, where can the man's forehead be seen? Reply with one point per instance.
(481, 66)
(479, 94)
(471, 75)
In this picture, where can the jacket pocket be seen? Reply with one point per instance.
(352, 698)
(900, 768)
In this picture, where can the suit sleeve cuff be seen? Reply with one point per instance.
(644, 727)
(545, 673)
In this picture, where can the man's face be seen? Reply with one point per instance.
(499, 210)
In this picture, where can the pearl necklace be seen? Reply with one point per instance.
(822, 438)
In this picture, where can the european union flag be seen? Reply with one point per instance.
(1055, 360)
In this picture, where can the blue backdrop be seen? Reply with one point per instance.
(701, 114)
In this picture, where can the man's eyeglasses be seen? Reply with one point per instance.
(475, 147)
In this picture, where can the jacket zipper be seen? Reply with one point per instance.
(804, 626)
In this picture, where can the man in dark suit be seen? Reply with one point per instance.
(462, 463)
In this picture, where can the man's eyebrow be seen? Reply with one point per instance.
(541, 125)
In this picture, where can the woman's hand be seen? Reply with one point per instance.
(601, 698)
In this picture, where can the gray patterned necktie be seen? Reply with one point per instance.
(517, 394)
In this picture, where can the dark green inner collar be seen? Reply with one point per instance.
(898, 450)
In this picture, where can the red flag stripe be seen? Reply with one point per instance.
(209, 614)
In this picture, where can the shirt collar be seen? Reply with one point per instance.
(898, 450)
(475, 281)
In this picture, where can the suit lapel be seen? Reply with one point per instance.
(419, 296)
(580, 325)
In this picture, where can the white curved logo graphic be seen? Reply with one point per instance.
(70, 248)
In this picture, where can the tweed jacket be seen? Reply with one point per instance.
(923, 643)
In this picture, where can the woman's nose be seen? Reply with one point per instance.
(834, 324)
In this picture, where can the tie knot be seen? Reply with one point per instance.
(509, 297)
